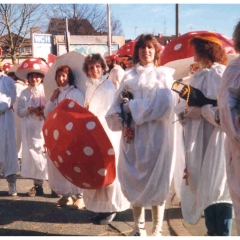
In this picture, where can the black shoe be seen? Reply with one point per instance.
(55, 195)
(35, 191)
(104, 218)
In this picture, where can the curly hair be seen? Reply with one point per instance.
(93, 58)
(141, 43)
(66, 69)
(236, 37)
(210, 52)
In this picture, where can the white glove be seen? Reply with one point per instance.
(126, 107)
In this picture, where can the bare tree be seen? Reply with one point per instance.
(95, 14)
(15, 23)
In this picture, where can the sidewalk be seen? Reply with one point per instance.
(37, 216)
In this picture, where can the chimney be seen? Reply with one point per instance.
(34, 30)
(159, 35)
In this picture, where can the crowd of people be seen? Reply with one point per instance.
(137, 109)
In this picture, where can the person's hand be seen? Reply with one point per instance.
(55, 94)
(126, 108)
(192, 112)
(31, 110)
(184, 91)
(39, 110)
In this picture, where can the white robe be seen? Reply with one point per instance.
(20, 86)
(229, 109)
(204, 149)
(8, 145)
(34, 160)
(57, 182)
(145, 164)
(109, 198)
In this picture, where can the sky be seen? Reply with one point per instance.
(159, 16)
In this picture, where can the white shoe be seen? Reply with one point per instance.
(12, 189)
(141, 232)
(156, 232)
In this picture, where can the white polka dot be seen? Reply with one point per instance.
(25, 65)
(91, 125)
(32, 59)
(68, 178)
(88, 151)
(68, 152)
(102, 172)
(71, 104)
(7, 69)
(111, 151)
(56, 164)
(46, 132)
(128, 50)
(50, 64)
(86, 184)
(55, 114)
(69, 126)
(177, 47)
(56, 134)
(193, 33)
(36, 66)
(77, 169)
(60, 159)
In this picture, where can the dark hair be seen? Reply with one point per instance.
(40, 74)
(66, 69)
(210, 52)
(92, 58)
(142, 41)
(129, 59)
(236, 37)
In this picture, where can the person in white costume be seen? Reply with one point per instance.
(66, 89)
(116, 73)
(108, 200)
(229, 111)
(20, 86)
(145, 163)
(8, 146)
(30, 109)
(205, 188)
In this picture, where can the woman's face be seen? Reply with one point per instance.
(146, 54)
(62, 79)
(95, 70)
(35, 79)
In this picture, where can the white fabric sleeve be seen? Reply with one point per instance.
(48, 108)
(156, 108)
(208, 112)
(22, 110)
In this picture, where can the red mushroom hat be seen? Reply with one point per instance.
(51, 59)
(7, 66)
(127, 49)
(31, 64)
(78, 146)
(14, 68)
(113, 57)
(178, 54)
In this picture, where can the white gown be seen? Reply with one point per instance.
(34, 160)
(109, 198)
(57, 182)
(8, 145)
(204, 149)
(145, 164)
(229, 108)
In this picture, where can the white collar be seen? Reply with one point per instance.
(64, 88)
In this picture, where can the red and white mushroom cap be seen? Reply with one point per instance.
(127, 49)
(78, 146)
(14, 68)
(7, 66)
(114, 57)
(30, 65)
(178, 54)
(51, 59)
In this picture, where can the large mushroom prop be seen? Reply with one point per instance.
(127, 49)
(34, 64)
(178, 54)
(75, 61)
(78, 146)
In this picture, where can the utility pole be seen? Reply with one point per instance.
(177, 31)
(109, 30)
